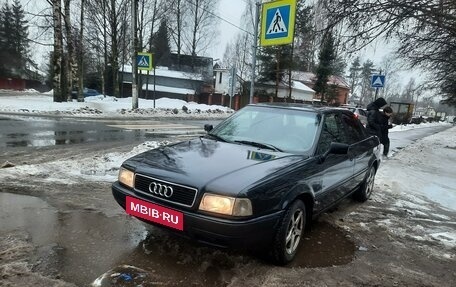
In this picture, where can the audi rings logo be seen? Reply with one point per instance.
(161, 189)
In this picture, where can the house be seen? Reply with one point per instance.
(226, 87)
(187, 78)
(425, 112)
(163, 83)
(299, 92)
(341, 87)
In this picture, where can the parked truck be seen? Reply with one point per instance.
(402, 112)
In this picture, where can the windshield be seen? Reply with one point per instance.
(274, 128)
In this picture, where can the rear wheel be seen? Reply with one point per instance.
(290, 233)
(365, 191)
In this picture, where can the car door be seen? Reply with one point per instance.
(360, 150)
(336, 171)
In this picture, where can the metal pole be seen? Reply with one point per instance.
(147, 85)
(134, 91)
(233, 83)
(154, 85)
(254, 52)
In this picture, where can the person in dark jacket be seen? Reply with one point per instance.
(384, 127)
(374, 117)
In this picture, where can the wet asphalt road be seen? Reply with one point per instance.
(81, 245)
(40, 131)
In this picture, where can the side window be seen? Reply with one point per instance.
(332, 131)
(352, 129)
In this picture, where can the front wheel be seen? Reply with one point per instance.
(365, 191)
(289, 233)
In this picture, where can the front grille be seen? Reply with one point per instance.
(182, 195)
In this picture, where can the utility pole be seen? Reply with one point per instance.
(254, 48)
(134, 91)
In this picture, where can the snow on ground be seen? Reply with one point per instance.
(33, 103)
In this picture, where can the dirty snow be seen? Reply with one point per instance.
(33, 103)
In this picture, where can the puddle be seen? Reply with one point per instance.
(85, 247)
(172, 261)
(324, 246)
(49, 138)
(77, 246)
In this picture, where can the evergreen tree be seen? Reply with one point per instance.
(325, 67)
(13, 40)
(275, 62)
(161, 46)
(6, 44)
(305, 35)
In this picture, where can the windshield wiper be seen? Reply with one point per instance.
(260, 145)
(216, 137)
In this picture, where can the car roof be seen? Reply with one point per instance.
(298, 106)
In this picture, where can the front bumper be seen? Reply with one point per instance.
(211, 230)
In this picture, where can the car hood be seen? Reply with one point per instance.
(211, 165)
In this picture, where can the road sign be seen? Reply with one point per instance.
(277, 22)
(378, 81)
(144, 61)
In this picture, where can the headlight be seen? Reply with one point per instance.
(226, 205)
(126, 177)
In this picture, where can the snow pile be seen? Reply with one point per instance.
(105, 106)
(100, 167)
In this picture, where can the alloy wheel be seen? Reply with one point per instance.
(370, 183)
(294, 231)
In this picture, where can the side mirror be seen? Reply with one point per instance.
(208, 127)
(335, 148)
(338, 148)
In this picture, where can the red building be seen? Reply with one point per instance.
(340, 86)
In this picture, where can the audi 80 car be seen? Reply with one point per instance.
(256, 179)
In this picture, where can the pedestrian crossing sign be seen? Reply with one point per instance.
(144, 61)
(378, 81)
(277, 22)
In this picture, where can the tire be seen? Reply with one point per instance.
(289, 234)
(366, 188)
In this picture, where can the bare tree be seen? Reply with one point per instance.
(238, 53)
(366, 89)
(390, 68)
(114, 17)
(70, 61)
(354, 77)
(105, 19)
(202, 25)
(81, 55)
(58, 50)
(425, 29)
(177, 12)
